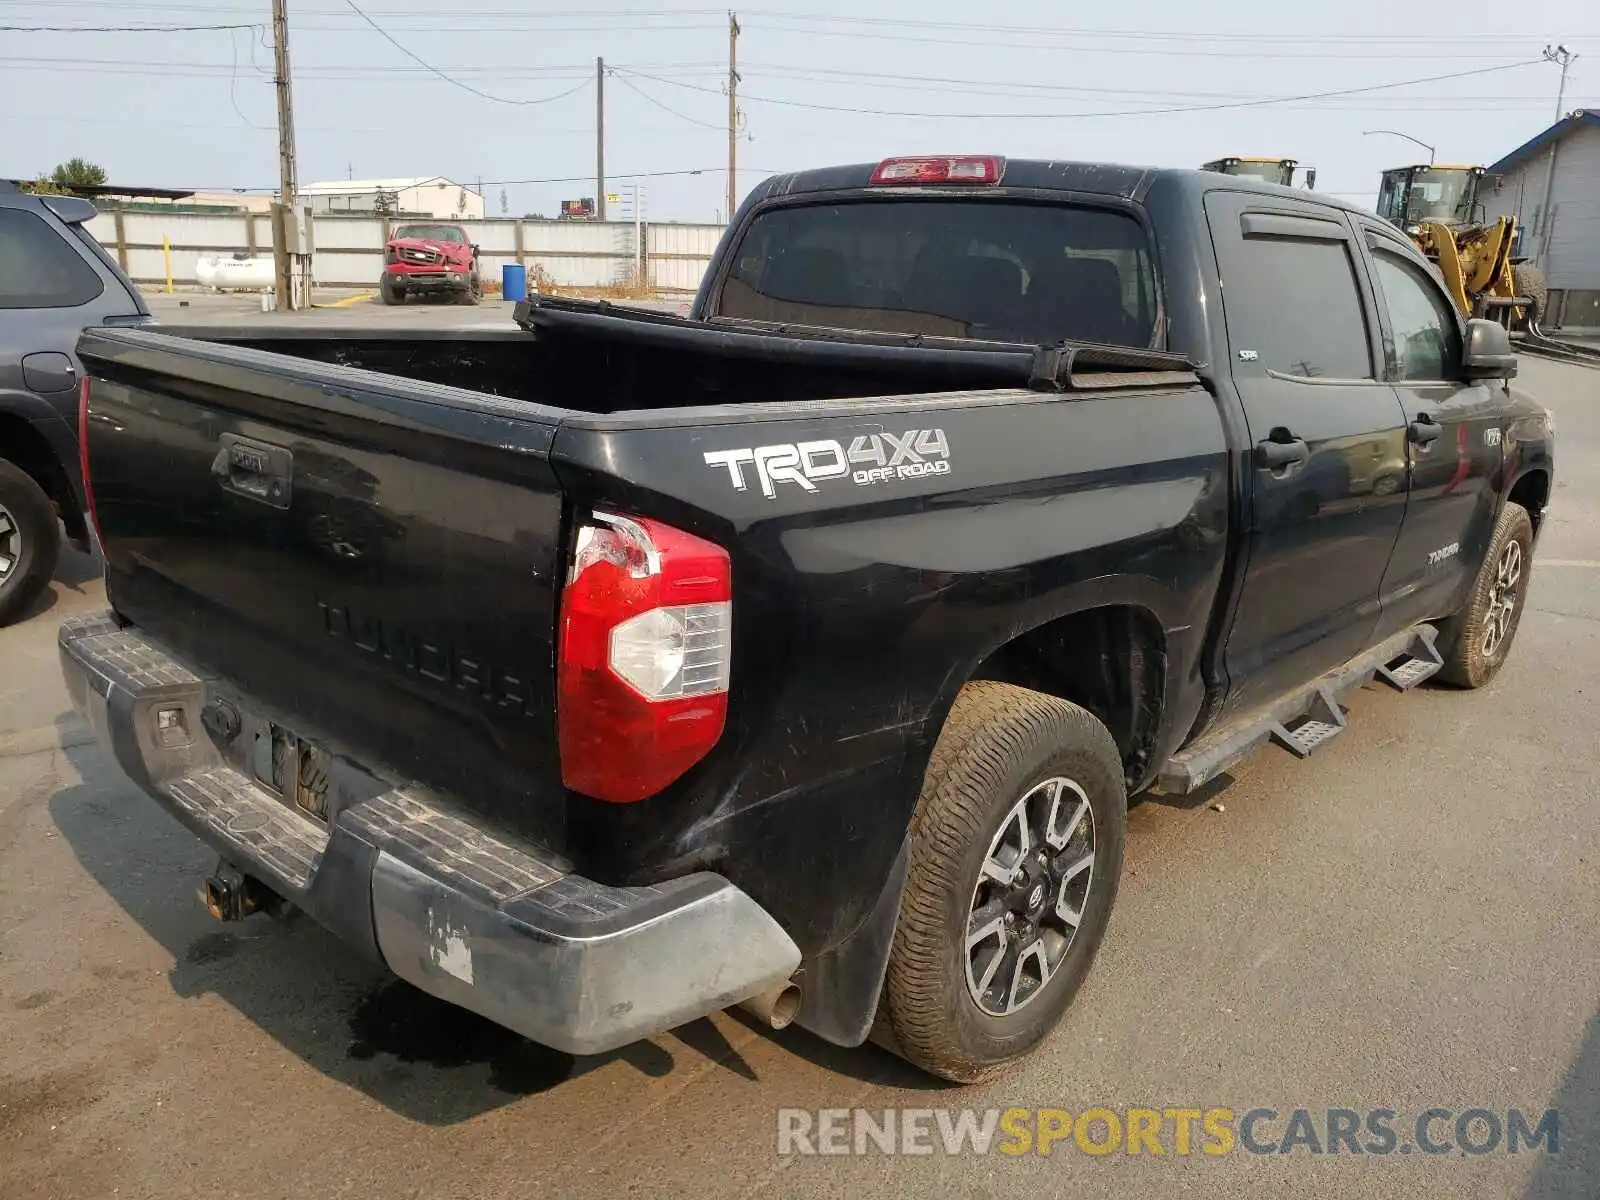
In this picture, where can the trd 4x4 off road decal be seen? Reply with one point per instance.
(870, 459)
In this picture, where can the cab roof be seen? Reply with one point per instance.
(1109, 180)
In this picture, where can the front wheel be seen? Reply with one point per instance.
(1016, 849)
(388, 292)
(1529, 281)
(1477, 640)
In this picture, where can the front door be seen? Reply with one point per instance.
(1325, 495)
(1453, 441)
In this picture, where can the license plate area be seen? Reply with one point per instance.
(292, 768)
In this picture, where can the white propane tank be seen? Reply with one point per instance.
(234, 274)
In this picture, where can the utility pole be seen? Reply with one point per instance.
(733, 113)
(1560, 54)
(600, 138)
(282, 259)
(1564, 57)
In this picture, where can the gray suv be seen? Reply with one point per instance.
(54, 281)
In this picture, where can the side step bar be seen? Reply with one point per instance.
(1307, 719)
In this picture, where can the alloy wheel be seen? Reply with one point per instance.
(1504, 593)
(1030, 896)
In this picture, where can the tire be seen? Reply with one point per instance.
(389, 293)
(1476, 641)
(467, 296)
(998, 754)
(1529, 281)
(30, 541)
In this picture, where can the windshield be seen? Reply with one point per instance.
(432, 233)
(1440, 196)
(1002, 271)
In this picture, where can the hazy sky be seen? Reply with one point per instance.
(836, 82)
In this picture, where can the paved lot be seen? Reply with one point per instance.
(1407, 920)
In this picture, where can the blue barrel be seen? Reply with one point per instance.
(514, 281)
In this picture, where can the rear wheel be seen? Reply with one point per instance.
(30, 541)
(1476, 641)
(1016, 849)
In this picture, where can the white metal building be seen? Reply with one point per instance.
(426, 195)
(1563, 236)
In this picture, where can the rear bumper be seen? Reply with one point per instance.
(496, 926)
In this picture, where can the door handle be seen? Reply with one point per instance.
(1281, 451)
(1424, 431)
(255, 470)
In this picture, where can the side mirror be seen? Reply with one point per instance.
(1487, 353)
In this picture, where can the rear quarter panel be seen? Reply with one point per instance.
(863, 602)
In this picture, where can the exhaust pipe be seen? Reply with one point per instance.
(776, 1007)
(231, 895)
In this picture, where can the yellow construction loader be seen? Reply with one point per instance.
(1268, 170)
(1439, 208)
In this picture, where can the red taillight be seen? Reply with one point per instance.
(83, 461)
(646, 642)
(944, 168)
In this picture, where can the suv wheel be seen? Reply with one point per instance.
(1016, 848)
(30, 541)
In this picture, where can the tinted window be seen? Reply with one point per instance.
(38, 269)
(1426, 342)
(982, 269)
(1295, 304)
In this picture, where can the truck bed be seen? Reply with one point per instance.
(597, 358)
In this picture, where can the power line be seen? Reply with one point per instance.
(1299, 36)
(1033, 43)
(1014, 88)
(466, 87)
(121, 28)
(622, 78)
(1139, 112)
(233, 84)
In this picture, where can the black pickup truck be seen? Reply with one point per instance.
(602, 673)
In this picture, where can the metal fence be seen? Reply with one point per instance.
(348, 251)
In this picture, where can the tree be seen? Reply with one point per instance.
(72, 174)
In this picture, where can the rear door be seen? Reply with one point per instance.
(1325, 487)
(1453, 438)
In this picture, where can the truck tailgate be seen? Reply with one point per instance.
(383, 563)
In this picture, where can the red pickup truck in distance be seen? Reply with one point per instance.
(426, 259)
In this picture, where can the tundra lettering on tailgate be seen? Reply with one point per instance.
(871, 458)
